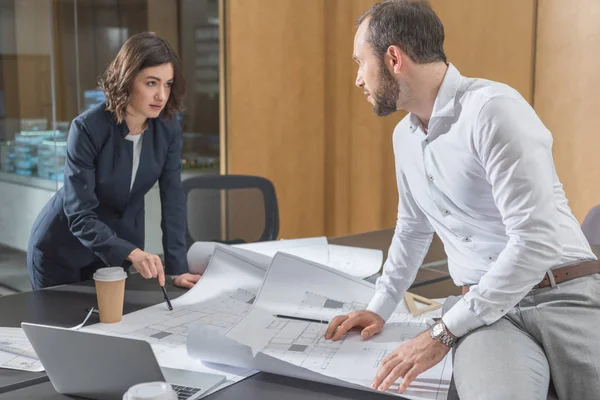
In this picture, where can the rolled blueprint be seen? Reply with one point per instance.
(200, 254)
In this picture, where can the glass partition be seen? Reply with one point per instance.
(52, 53)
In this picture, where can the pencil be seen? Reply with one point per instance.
(167, 298)
(319, 321)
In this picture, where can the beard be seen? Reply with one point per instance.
(388, 93)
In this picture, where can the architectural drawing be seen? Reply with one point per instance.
(16, 351)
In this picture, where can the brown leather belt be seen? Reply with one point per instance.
(563, 274)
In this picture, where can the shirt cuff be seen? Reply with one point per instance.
(383, 305)
(459, 320)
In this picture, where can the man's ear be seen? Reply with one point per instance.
(393, 59)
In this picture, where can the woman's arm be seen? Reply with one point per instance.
(173, 208)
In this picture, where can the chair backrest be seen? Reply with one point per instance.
(230, 209)
(591, 225)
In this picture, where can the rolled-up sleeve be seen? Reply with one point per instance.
(80, 201)
(516, 151)
(173, 222)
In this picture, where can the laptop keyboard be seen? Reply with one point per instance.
(185, 392)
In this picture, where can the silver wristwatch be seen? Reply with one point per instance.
(440, 333)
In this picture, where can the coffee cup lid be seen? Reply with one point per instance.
(150, 391)
(110, 274)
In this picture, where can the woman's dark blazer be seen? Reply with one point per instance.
(94, 216)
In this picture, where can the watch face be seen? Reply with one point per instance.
(438, 329)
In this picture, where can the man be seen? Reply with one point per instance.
(474, 164)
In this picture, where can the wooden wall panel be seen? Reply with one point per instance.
(275, 104)
(291, 98)
(566, 94)
(360, 186)
(492, 39)
(162, 19)
(361, 192)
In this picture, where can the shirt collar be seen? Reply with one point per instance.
(445, 99)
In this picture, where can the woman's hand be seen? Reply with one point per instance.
(148, 265)
(186, 280)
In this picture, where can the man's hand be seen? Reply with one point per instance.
(186, 280)
(408, 361)
(370, 322)
(148, 265)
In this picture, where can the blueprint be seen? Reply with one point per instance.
(16, 351)
(217, 302)
(200, 254)
(296, 287)
(354, 261)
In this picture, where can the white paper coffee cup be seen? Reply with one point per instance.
(150, 391)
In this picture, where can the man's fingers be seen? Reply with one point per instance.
(387, 358)
(370, 330)
(194, 278)
(344, 327)
(343, 323)
(397, 372)
(408, 379)
(333, 325)
(384, 370)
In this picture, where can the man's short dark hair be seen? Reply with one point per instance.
(409, 24)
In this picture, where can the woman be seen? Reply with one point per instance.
(116, 152)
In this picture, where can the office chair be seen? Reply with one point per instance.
(230, 209)
(591, 225)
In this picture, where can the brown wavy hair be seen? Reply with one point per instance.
(140, 51)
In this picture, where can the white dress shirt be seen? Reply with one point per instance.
(483, 178)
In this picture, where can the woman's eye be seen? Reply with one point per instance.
(151, 83)
(169, 84)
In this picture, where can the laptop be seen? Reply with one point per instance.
(105, 367)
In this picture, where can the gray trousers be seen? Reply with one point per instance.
(546, 347)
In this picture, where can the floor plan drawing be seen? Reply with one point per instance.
(166, 330)
(16, 351)
(301, 343)
(300, 289)
(314, 305)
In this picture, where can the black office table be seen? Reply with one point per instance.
(65, 306)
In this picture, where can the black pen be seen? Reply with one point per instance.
(319, 321)
(167, 298)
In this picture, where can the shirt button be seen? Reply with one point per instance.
(446, 212)
(490, 258)
(467, 239)
(430, 178)
(426, 140)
